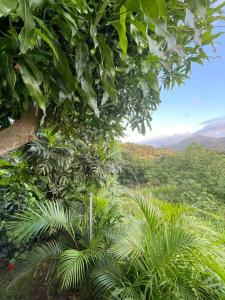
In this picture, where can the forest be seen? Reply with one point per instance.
(83, 216)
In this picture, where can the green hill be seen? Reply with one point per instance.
(144, 151)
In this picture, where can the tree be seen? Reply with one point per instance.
(73, 62)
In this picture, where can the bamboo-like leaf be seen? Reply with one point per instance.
(106, 55)
(7, 66)
(90, 95)
(121, 29)
(61, 62)
(6, 6)
(81, 58)
(33, 87)
(27, 36)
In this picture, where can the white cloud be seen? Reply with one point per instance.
(158, 133)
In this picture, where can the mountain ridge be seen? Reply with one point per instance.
(206, 141)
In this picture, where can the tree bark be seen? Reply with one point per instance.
(21, 132)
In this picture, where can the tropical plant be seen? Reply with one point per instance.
(50, 168)
(17, 191)
(64, 253)
(93, 64)
(163, 251)
(166, 254)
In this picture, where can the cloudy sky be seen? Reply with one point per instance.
(198, 106)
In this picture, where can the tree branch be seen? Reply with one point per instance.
(21, 132)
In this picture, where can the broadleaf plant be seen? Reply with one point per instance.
(104, 62)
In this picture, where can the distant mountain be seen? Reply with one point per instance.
(144, 151)
(206, 141)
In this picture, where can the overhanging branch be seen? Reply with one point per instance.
(21, 132)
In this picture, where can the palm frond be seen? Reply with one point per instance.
(43, 253)
(31, 223)
(73, 265)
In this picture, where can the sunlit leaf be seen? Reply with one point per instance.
(153, 9)
(90, 95)
(6, 6)
(27, 37)
(81, 58)
(121, 28)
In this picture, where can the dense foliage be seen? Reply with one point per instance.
(50, 169)
(163, 252)
(142, 248)
(93, 63)
(85, 68)
(194, 175)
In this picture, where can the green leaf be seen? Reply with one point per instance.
(72, 267)
(154, 48)
(36, 4)
(7, 66)
(207, 37)
(81, 58)
(90, 95)
(132, 5)
(32, 85)
(109, 88)
(61, 62)
(34, 69)
(6, 6)
(144, 86)
(93, 34)
(106, 55)
(121, 29)
(154, 8)
(27, 37)
(161, 30)
(198, 7)
(5, 163)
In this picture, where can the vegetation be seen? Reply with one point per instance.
(164, 251)
(77, 65)
(194, 175)
(73, 74)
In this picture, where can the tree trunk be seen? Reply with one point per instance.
(21, 132)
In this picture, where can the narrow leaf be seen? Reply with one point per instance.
(7, 66)
(106, 55)
(33, 87)
(61, 62)
(6, 6)
(27, 37)
(90, 95)
(81, 58)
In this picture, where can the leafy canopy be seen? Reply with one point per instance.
(97, 63)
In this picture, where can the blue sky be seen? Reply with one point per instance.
(184, 108)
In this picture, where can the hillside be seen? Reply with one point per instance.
(144, 151)
(206, 141)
